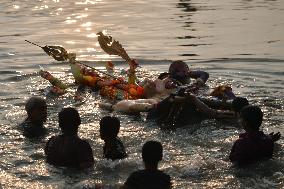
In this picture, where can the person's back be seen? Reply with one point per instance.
(113, 148)
(253, 145)
(179, 110)
(31, 129)
(68, 149)
(36, 109)
(150, 177)
(115, 151)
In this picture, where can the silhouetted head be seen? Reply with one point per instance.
(109, 127)
(152, 152)
(238, 103)
(179, 70)
(69, 121)
(36, 109)
(251, 118)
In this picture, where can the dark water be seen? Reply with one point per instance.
(239, 42)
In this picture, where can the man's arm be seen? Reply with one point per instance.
(200, 76)
(275, 136)
(201, 107)
(212, 113)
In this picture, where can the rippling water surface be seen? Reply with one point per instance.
(239, 42)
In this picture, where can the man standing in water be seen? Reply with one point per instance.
(36, 109)
(68, 149)
(150, 177)
(253, 145)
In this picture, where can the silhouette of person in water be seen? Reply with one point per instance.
(36, 109)
(253, 145)
(150, 177)
(180, 74)
(113, 148)
(178, 110)
(68, 149)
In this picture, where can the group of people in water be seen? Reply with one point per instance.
(69, 150)
(172, 102)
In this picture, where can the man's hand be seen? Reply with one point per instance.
(275, 136)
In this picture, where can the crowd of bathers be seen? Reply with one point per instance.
(183, 107)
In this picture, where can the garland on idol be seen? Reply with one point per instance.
(87, 75)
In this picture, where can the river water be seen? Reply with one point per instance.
(239, 42)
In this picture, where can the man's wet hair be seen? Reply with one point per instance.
(152, 152)
(176, 64)
(252, 115)
(34, 103)
(109, 126)
(238, 103)
(69, 120)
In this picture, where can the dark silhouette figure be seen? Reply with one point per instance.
(180, 74)
(253, 145)
(36, 109)
(68, 149)
(113, 148)
(150, 177)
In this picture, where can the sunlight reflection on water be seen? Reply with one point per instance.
(238, 42)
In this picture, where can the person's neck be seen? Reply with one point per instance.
(110, 141)
(151, 167)
(70, 134)
(35, 122)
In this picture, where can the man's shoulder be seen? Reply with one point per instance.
(72, 139)
(256, 141)
(243, 141)
(32, 130)
(152, 174)
(116, 151)
(52, 142)
(258, 136)
(54, 138)
(148, 179)
(119, 142)
(69, 143)
(84, 143)
(24, 124)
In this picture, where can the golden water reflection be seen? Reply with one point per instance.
(16, 6)
(70, 21)
(87, 2)
(82, 16)
(93, 35)
(86, 24)
(70, 42)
